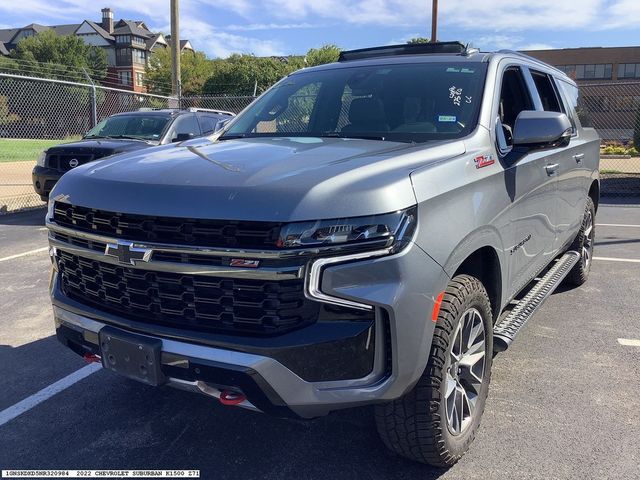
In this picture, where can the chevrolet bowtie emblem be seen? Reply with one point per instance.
(126, 253)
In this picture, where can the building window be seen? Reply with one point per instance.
(123, 38)
(629, 70)
(570, 70)
(138, 40)
(125, 78)
(139, 79)
(593, 71)
(123, 56)
(139, 56)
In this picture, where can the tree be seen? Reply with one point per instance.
(195, 69)
(418, 40)
(60, 56)
(238, 74)
(326, 54)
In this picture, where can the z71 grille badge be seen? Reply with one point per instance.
(244, 263)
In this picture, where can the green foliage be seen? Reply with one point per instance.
(238, 74)
(617, 149)
(419, 40)
(319, 56)
(59, 56)
(195, 68)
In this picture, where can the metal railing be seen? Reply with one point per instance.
(36, 113)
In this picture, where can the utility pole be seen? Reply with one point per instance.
(175, 49)
(434, 21)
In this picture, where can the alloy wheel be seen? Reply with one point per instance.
(465, 371)
(587, 243)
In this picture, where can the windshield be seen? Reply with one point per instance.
(405, 103)
(140, 127)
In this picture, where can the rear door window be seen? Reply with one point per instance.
(208, 123)
(547, 91)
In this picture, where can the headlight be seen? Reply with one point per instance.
(389, 229)
(41, 158)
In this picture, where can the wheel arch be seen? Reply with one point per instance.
(484, 264)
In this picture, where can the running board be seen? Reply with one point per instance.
(508, 327)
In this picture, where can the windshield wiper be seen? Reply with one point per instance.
(129, 137)
(356, 135)
(232, 137)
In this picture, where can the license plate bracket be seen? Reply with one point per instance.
(133, 356)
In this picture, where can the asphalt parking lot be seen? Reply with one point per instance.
(563, 401)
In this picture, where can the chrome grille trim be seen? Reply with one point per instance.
(223, 251)
(263, 273)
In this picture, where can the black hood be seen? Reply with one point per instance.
(87, 150)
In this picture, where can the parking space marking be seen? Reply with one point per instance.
(611, 259)
(24, 254)
(616, 225)
(28, 403)
(629, 342)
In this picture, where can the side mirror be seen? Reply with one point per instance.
(221, 124)
(181, 137)
(537, 130)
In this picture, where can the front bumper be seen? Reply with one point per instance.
(44, 179)
(402, 289)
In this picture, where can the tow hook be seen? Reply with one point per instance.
(228, 397)
(91, 358)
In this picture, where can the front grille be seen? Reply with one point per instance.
(194, 302)
(60, 161)
(180, 231)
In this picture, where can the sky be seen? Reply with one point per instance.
(286, 27)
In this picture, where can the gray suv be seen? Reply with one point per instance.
(366, 232)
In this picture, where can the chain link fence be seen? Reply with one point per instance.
(37, 113)
(613, 109)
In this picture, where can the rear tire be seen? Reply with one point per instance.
(583, 244)
(437, 420)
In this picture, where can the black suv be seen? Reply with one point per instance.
(124, 132)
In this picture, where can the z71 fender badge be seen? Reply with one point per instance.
(484, 161)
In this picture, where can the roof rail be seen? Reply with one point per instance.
(153, 109)
(433, 48)
(530, 58)
(211, 110)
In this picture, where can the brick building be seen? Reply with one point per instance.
(609, 79)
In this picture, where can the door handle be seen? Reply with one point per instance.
(551, 169)
(578, 157)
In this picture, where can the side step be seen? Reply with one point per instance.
(508, 327)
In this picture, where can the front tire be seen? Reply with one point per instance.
(583, 244)
(437, 420)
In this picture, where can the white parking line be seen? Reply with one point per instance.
(611, 259)
(629, 342)
(28, 403)
(24, 254)
(616, 225)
